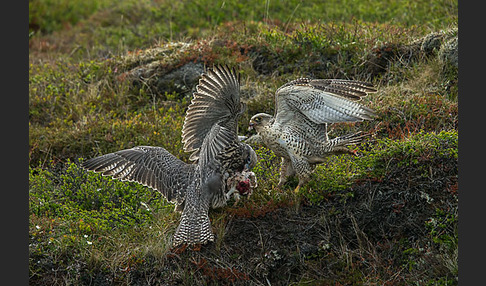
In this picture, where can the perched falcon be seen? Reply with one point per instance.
(222, 163)
(298, 130)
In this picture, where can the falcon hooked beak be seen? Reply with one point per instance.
(251, 125)
(259, 120)
(253, 121)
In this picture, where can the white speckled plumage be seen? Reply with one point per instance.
(298, 130)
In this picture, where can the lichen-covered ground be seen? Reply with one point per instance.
(105, 76)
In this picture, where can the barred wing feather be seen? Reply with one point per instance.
(323, 101)
(216, 101)
(153, 167)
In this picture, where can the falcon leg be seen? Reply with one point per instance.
(237, 198)
(231, 192)
(286, 170)
(303, 170)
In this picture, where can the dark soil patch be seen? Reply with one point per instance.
(373, 231)
(378, 233)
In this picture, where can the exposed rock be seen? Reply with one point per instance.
(181, 80)
(162, 70)
(443, 44)
(449, 51)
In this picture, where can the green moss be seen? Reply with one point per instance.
(415, 155)
(92, 202)
(77, 215)
(46, 16)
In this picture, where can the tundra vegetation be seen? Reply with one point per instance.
(109, 75)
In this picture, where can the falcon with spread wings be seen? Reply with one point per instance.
(298, 130)
(222, 164)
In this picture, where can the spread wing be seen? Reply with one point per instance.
(217, 141)
(153, 167)
(216, 101)
(322, 101)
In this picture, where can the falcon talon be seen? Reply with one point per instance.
(297, 189)
(237, 198)
(231, 192)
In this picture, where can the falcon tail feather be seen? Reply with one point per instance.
(348, 139)
(194, 228)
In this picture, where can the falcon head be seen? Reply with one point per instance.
(259, 121)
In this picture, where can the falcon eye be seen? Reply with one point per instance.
(258, 119)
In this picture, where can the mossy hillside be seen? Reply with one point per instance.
(107, 26)
(68, 96)
(111, 80)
